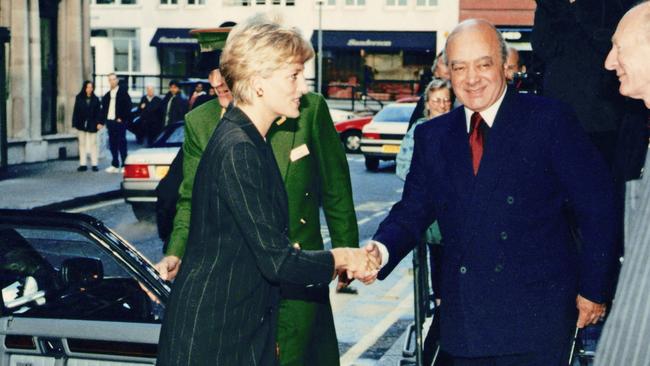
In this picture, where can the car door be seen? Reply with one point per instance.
(71, 293)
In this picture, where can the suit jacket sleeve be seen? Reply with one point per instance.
(334, 174)
(410, 217)
(191, 156)
(589, 186)
(251, 202)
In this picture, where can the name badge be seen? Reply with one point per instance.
(299, 152)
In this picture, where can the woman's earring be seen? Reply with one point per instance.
(260, 92)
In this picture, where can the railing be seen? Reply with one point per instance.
(136, 83)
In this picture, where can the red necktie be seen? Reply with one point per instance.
(476, 140)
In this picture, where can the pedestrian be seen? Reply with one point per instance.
(174, 105)
(238, 251)
(438, 99)
(87, 119)
(499, 174)
(513, 64)
(627, 328)
(315, 171)
(150, 120)
(116, 112)
(198, 91)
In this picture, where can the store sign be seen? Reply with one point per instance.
(177, 40)
(511, 35)
(368, 43)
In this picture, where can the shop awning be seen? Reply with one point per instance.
(173, 37)
(377, 40)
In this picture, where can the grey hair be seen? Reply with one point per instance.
(437, 84)
(502, 42)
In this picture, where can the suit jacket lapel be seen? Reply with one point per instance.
(501, 142)
(456, 149)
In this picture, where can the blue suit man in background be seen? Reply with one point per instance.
(499, 174)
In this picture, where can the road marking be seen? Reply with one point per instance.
(373, 216)
(96, 206)
(378, 330)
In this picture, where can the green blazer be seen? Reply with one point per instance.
(319, 170)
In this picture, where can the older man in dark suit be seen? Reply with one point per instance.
(499, 174)
(626, 332)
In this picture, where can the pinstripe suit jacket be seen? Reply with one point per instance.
(223, 308)
(627, 329)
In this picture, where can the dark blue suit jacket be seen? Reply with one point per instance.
(511, 268)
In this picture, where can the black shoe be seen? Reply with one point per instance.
(82, 168)
(95, 169)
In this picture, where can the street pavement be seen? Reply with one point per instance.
(56, 185)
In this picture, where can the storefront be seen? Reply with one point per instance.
(177, 52)
(383, 65)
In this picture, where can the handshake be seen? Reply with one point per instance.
(362, 264)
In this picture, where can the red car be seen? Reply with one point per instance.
(350, 129)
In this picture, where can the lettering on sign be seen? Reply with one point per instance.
(177, 40)
(369, 43)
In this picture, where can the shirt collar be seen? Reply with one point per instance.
(489, 114)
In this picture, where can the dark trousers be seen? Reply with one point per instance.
(117, 141)
(550, 355)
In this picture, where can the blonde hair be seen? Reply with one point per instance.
(258, 47)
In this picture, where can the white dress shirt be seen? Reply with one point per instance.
(488, 115)
(111, 105)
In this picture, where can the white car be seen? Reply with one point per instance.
(144, 168)
(381, 138)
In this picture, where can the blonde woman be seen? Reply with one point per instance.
(224, 303)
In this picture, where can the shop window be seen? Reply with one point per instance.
(427, 3)
(168, 2)
(276, 2)
(260, 2)
(290, 2)
(195, 2)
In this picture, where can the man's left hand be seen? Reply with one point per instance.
(589, 311)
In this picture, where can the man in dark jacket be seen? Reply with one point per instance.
(150, 115)
(174, 105)
(116, 110)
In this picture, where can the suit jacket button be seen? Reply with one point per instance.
(463, 270)
(498, 268)
(307, 194)
(504, 235)
(302, 221)
(510, 200)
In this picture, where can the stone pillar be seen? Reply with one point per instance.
(73, 57)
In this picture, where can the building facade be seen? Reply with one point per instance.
(48, 57)
(514, 18)
(379, 46)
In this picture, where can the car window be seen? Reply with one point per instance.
(177, 136)
(395, 113)
(172, 136)
(64, 274)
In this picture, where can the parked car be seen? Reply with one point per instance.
(71, 293)
(350, 130)
(144, 168)
(381, 138)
